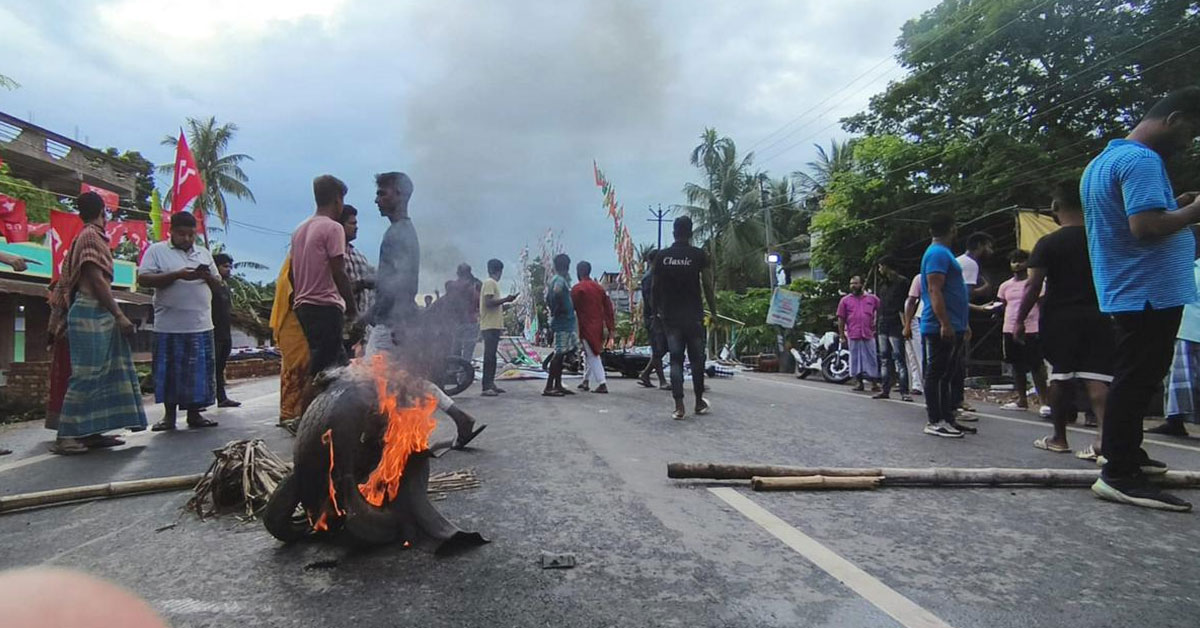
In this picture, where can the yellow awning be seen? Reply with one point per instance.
(1031, 226)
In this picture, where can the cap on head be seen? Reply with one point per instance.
(90, 206)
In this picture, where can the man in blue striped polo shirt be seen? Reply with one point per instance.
(1141, 249)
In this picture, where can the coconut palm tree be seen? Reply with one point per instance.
(221, 173)
(815, 182)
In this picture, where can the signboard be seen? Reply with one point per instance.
(785, 307)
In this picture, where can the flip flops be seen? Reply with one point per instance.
(69, 447)
(1044, 443)
(201, 422)
(645, 383)
(1087, 453)
(553, 393)
(100, 441)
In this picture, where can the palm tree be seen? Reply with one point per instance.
(815, 182)
(222, 174)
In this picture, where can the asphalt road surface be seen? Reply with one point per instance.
(587, 475)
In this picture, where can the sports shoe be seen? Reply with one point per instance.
(1044, 412)
(965, 429)
(965, 417)
(943, 430)
(1137, 491)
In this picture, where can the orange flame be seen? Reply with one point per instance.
(322, 522)
(408, 432)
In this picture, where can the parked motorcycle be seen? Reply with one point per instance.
(824, 354)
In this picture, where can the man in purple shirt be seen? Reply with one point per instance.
(856, 314)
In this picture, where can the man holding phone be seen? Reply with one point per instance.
(184, 351)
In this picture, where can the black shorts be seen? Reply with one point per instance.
(1025, 357)
(1078, 346)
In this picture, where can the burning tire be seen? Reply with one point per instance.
(361, 466)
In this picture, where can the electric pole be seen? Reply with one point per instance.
(659, 218)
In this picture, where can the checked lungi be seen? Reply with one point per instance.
(103, 392)
(565, 342)
(1182, 382)
(864, 361)
(185, 370)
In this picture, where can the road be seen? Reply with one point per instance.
(587, 475)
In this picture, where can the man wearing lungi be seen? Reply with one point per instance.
(856, 314)
(184, 278)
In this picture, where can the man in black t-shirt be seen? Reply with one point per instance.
(222, 314)
(890, 335)
(1077, 339)
(680, 272)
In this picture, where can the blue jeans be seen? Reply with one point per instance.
(893, 362)
(689, 337)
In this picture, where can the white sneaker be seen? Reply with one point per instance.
(1044, 412)
(1012, 405)
(943, 430)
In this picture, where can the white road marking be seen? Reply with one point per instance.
(24, 462)
(1011, 419)
(883, 597)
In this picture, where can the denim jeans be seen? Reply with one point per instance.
(491, 341)
(689, 337)
(944, 364)
(893, 362)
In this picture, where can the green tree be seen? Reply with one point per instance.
(814, 182)
(143, 181)
(221, 173)
(38, 202)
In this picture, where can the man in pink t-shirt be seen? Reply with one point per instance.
(856, 314)
(322, 295)
(1025, 357)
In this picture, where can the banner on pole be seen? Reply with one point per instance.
(785, 307)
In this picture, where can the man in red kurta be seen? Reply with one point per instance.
(594, 311)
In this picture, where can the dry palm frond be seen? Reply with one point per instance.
(244, 475)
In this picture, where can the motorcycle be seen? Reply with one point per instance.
(824, 354)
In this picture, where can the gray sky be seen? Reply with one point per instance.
(496, 109)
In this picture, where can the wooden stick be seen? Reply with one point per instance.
(95, 491)
(815, 483)
(943, 476)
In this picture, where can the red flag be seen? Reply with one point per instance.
(137, 231)
(187, 184)
(38, 229)
(111, 200)
(201, 227)
(63, 229)
(596, 171)
(15, 222)
(115, 232)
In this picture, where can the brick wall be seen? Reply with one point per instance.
(28, 381)
(256, 367)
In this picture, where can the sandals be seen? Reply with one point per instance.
(553, 393)
(1044, 443)
(100, 441)
(163, 426)
(68, 447)
(1087, 453)
(199, 422)
(645, 383)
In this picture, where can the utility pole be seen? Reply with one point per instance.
(659, 218)
(772, 264)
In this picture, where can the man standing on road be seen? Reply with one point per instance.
(856, 314)
(944, 327)
(1024, 355)
(681, 272)
(394, 327)
(1141, 248)
(1076, 338)
(103, 392)
(491, 323)
(222, 324)
(562, 324)
(594, 311)
(1183, 385)
(463, 295)
(654, 334)
(914, 310)
(362, 279)
(321, 287)
(891, 330)
(979, 248)
(182, 276)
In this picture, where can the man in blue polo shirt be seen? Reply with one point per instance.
(1141, 250)
(944, 327)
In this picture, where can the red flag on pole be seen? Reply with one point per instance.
(115, 232)
(15, 222)
(201, 227)
(187, 184)
(111, 199)
(63, 229)
(139, 234)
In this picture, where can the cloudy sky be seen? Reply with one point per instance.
(496, 109)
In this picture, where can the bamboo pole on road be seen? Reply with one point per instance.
(96, 491)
